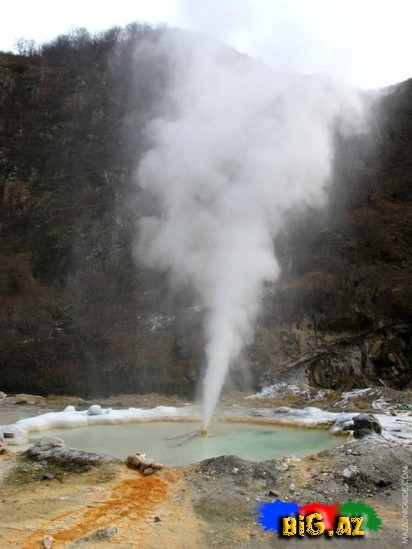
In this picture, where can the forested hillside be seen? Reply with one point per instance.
(79, 317)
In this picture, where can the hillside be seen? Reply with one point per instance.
(78, 316)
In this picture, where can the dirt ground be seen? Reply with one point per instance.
(75, 509)
(209, 504)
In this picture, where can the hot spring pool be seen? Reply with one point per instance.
(178, 443)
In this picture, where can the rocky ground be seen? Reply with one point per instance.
(212, 503)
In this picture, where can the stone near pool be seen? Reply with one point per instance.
(94, 410)
(366, 425)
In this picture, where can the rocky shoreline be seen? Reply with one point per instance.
(211, 503)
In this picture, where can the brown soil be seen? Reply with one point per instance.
(210, 504)
(74, 510)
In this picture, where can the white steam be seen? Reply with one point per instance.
(238, 147)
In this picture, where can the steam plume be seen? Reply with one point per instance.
(237, 147)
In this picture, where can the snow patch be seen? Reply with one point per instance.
(395, 428)
(159, 322)
(71, 418)
(355, 393)
(275, 390)
(282, 389)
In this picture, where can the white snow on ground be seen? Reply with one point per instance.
(394, 427)
(282, 388)
(95, 415)
(397, 427)
(355, 393)
(275, 390)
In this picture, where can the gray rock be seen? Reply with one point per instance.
(383, 482)
(94, 410)
(105, 533)
(102, 534)
(47, 476)
(48, 443)
(282, 410)
(357, 363)
(366, 425)
(350, 471)
(54, 451)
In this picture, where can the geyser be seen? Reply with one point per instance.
(237, 146)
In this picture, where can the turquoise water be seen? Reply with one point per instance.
(174, 443)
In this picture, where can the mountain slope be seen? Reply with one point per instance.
(78, 316)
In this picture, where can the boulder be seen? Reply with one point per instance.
(94, 410)
(365, 425)
(53, 450)
(143, 463)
